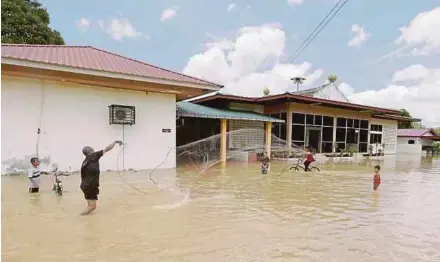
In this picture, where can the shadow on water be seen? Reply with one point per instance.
(234, 212)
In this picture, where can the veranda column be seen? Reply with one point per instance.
(334, 135)
(268, 128)
(289, 126)
(223, 130)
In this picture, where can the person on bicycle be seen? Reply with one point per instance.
(309, 158)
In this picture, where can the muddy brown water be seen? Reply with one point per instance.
(233, 214)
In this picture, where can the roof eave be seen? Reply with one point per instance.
(61, 68)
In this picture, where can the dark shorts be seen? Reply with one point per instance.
(34, 190)
(90, 192)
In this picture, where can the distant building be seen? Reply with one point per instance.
(321, 117)
(416, 140)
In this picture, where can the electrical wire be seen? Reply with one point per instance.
(321, 26)
(43, 95)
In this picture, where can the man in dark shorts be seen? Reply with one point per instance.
(90, 175)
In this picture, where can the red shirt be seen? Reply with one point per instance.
(309, 157)
(377, 179)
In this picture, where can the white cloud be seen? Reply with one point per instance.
(415, 88)
(421, 34)
(230, 7)
(119, 28)
(360, 36)
(241, 63)
(419, 37)
(167, 14)
(295, 2)
(83, 24)
(347, 89)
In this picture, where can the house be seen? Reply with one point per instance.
(414, 141)
(321, 117)
(57, 99)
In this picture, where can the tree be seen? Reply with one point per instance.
(27, 22)
(404, 124)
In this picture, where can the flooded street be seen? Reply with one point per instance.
(233, 214)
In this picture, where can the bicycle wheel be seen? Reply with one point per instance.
(314, 169)
(295, 169)
(59, 191)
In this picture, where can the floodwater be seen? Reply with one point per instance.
(233, 214)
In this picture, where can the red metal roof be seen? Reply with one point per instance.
(425, 132)
(296, 98)
(88, 57)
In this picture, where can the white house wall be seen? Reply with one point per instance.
(73, 116)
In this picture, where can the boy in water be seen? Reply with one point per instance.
(90, 175)
(309, 158)
(265, 162)
(34, 175)
(376, 181)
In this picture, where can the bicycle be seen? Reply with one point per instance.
(298, 167)
(57, 183)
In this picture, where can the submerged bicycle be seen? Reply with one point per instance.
(57, 183)
(299, 167)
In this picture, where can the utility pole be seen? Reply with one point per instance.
(298, 80)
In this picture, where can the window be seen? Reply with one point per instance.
(363, 136)
(310, 119)
(298, 133)
(340, 134)
(375, 138)
(411, 142)
(298, 118)
(364, 124)
(357, 123)
(318, 120)
(327, 134)
(350, 122)
(341, 122)
(327, 121)
(376, 128)
(352, 136)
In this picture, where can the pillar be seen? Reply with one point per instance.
(289, 126)
(268, 129)
(334, 134)
(223, 131)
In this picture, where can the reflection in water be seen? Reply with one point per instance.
(234, 214)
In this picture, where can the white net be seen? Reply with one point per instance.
(241, 145)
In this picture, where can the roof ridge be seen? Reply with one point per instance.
(62, 46)
(157, 67)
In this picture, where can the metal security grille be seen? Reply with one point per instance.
(122, 115)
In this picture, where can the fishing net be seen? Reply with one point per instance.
(241, 145)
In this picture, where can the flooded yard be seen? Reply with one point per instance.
(233, 214)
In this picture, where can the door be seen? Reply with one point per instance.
(314, 139)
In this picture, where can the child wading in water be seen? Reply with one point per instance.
(34, 175)
(265, 162)
(376, 182)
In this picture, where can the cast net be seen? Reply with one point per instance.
(241, 145)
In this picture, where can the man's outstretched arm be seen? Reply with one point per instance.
(111, 146)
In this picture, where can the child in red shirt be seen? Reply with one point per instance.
(309, 158)
(376, 181)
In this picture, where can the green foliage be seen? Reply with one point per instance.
(27, 22)
(436, 147)
(404, 124)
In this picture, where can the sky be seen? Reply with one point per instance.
(384, 52)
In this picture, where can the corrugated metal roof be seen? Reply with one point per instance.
(415, 132)
(187, 109)
(310, 91)
(88, 57)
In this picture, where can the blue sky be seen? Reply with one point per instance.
(171, 43)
